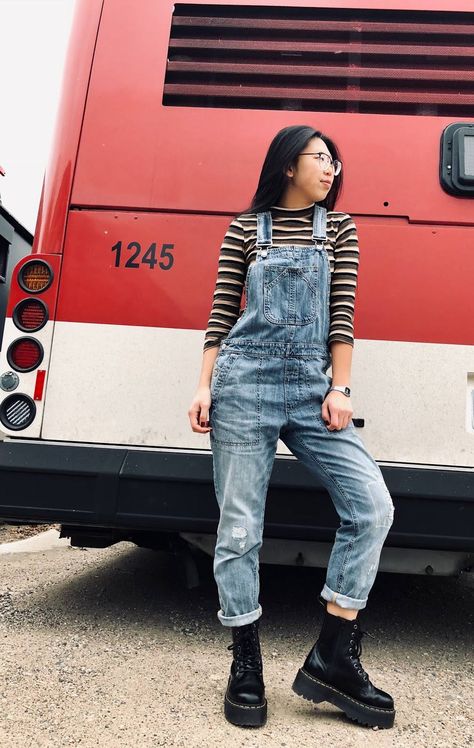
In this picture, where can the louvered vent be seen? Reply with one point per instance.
(321, 59)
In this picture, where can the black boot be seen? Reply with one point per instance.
(245, 702)
(332, 672)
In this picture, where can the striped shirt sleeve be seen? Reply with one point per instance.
(344, 282)
(231, 273)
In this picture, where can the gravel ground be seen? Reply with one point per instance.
(10, 533)
(109, 648)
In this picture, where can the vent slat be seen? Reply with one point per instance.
(342, 94)
(351, 48)
(298, 25)
(300, 71)
(322, 59)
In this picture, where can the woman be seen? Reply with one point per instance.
(264, 377)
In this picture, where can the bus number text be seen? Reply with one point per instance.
(148, 257)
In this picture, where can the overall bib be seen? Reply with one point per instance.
(269, 381)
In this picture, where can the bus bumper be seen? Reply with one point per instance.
(128, 489)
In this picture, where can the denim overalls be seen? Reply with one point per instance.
(269, 381)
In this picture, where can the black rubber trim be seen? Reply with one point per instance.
(117, 487)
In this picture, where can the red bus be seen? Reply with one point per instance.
(165, 116)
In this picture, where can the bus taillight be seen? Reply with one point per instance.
(25, 354)
(35, 276)
(17, 412)
(30, 315)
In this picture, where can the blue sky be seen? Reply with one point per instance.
(33, 42)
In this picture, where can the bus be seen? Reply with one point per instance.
(164, 118)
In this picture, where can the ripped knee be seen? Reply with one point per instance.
(239, 537)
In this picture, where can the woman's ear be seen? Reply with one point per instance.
(290, 172)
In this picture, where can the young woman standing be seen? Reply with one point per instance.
(264, 377)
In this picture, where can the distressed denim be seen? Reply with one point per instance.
(269, 382)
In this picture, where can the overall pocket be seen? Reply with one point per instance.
(222, 367)
(235, 410)
(290, 295)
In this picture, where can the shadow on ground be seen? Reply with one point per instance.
(129, 586)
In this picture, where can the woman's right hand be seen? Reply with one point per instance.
(199, 410)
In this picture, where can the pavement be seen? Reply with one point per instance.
(109, 647)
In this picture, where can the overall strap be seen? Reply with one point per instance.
(264, 229)
(319, 223)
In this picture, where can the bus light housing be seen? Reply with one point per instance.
(457, 159)
(35, 276)
(25, 354)
(17, 412)
(30, 315)
(9, 381)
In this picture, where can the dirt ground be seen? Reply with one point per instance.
(110, 648)
(10, 533)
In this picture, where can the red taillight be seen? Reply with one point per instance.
(30, 315)
(25, 354)
(35, 276)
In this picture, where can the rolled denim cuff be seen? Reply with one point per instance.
(241, 620)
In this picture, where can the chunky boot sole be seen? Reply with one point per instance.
(251, 715)
(312, 689)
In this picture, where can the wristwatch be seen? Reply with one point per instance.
(345, 390)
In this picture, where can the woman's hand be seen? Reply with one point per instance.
(199, 410)
(336, 411)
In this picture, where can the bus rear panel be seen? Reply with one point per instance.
(164, 122)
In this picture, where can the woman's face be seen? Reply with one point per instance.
(311, 180)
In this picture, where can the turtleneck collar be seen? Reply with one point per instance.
(293, 210)
(305, 209)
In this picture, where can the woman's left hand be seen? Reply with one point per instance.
(336, 411)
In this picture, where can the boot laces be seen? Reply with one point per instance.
(246, 652)
(356, 638)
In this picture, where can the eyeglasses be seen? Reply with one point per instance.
(325, 161)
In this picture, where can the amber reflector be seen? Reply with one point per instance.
(25, 354)
(35, 276)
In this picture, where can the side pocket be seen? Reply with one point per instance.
(222, 367)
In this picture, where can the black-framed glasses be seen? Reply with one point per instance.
(325, 161)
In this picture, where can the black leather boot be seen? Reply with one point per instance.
(332, 672)
(245, 703)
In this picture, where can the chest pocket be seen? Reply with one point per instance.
(290, 295)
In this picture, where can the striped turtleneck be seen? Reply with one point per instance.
(290, 226)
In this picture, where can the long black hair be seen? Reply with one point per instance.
(281, 154)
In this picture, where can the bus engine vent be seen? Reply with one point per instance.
(321, 59)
